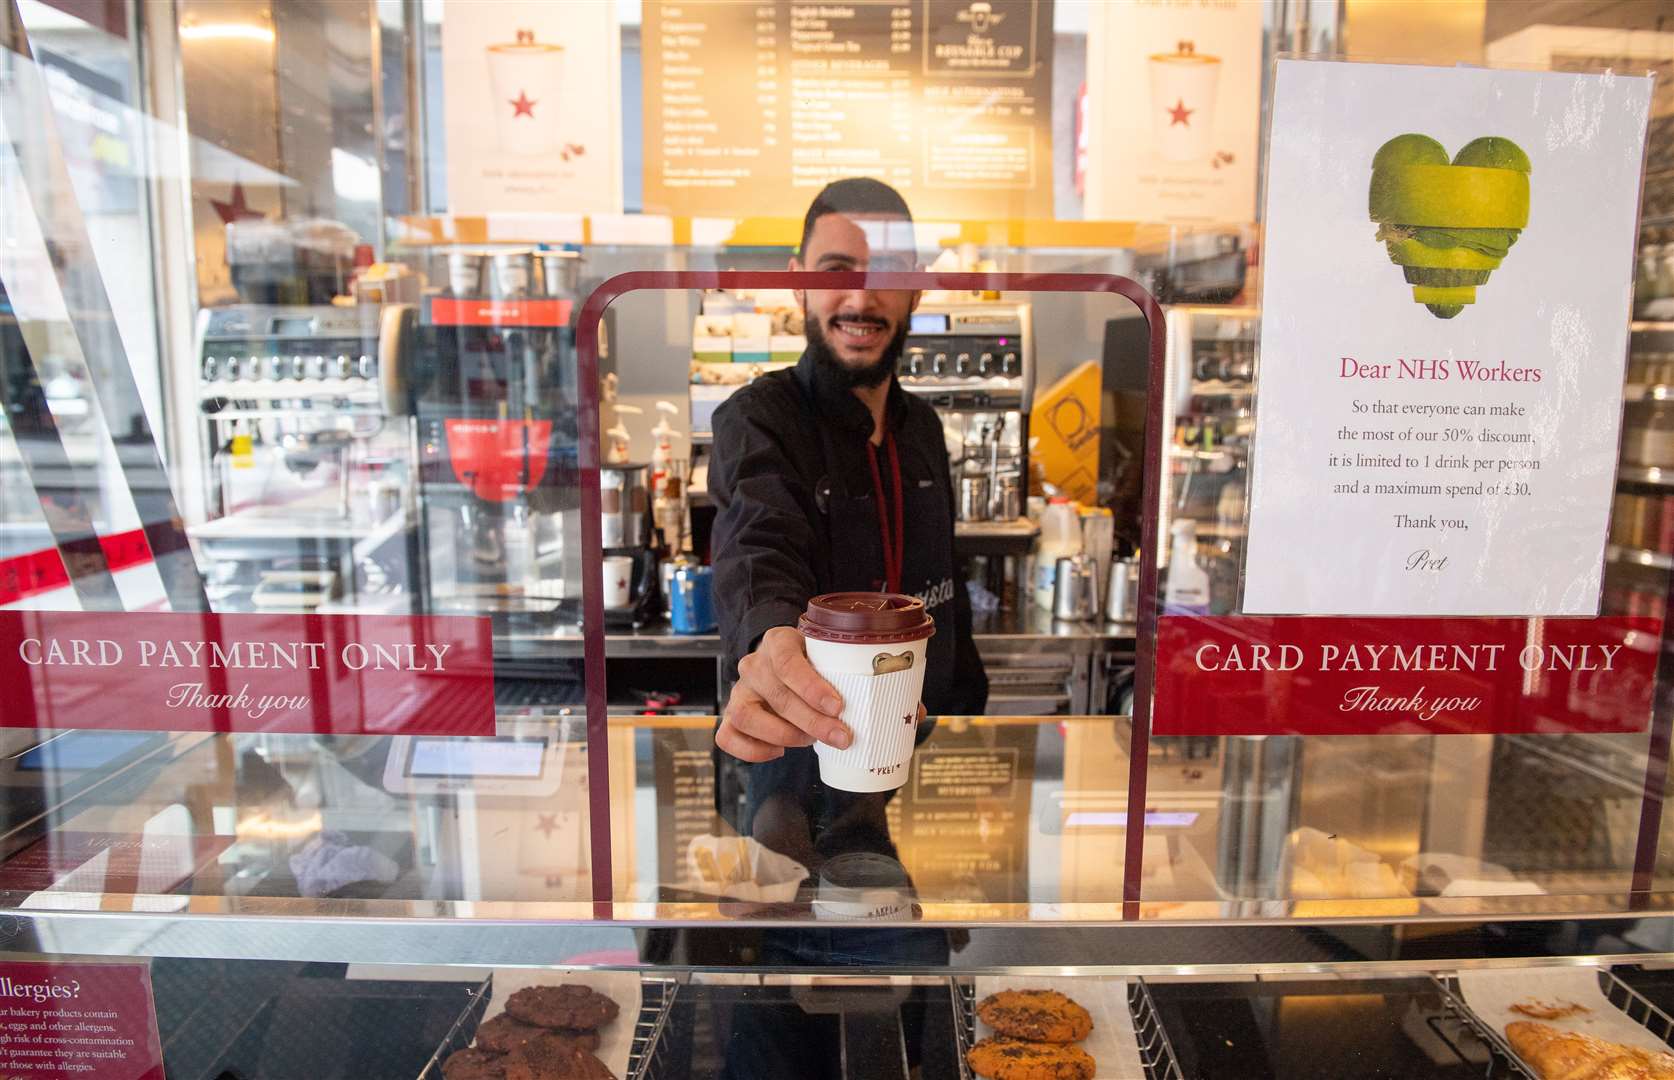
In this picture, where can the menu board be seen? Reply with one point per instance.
(1449, 268)
(752, 108)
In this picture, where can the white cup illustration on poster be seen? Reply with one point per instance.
(1183, 87)
(526, 78)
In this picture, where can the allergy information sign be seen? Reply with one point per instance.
(92, 1021)
(1449, 262)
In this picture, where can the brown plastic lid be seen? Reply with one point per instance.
(866, 618)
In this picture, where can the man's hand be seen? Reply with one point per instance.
(779, 701)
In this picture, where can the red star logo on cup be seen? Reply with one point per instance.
(621, 583)
(546, 824)
(522, 106)
(908, 719)
(1179, 113)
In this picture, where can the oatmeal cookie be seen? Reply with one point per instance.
(1014, 1059)
(570, 1006)
(1036, 1015)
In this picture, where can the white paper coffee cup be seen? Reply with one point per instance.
(871, 647)
(861, 886)
(618, 581)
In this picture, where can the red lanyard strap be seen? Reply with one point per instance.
(893, 534)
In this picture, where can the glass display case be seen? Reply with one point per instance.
(346, 730)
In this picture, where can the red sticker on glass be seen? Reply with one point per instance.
(179, 671)
(1252, 675)
(97, 1021)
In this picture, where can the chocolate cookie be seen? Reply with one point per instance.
(474, 1064)
(1037, 1015)
(504, 1033)
(570, 1006)
(554, 1057)
(1013, 1059)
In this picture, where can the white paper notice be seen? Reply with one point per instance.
(1449, 260)
(533, 107)
(1173, 110)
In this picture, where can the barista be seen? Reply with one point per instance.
(828, 477)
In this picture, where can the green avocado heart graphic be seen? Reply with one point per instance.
(1449, 224)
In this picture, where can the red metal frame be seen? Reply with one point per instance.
(592, 600)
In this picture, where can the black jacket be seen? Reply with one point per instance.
(797, 518)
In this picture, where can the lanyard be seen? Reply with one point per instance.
(894, 533)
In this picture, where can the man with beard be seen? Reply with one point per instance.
(828, 477)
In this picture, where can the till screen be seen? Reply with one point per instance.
(483, 758)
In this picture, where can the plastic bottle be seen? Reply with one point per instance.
(1187, 592)
(668, 501)
(618, 440)
(1060, 537)
(662, 448)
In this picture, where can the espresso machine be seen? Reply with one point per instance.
(303, 417)
(974, 362)
(494, 392)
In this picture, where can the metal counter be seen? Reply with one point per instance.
(1037, 665)
(1031, 630)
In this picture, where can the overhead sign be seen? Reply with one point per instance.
(1173, 110)
(1448, 275)
(534, 119)
(181, 671)
(751, 108)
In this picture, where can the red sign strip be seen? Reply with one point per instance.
(36, 572)
(445, 311)
(271, 672)
(1249, 675)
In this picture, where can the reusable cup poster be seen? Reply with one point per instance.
(1443, 340)
(533, 106)
(1173, 110)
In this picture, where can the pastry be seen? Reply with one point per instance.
(1566, 1055)
(504, 1033)
(1014, 1059)
(1548, 1010)
(1036, 1015)
(554, 1057)
(474, 1064)
(571, 1006)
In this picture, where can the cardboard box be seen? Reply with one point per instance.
(1065, 420)
(712, 339)
(787, 348)
(752, 338)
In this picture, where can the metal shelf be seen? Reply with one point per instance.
(1634, 474)
(1218, 388)
(1639, 557)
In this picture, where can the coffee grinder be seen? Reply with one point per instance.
(497, 436)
